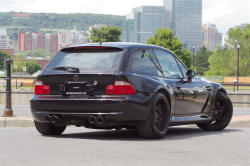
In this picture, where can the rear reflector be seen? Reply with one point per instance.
(120, 88)
(41, 89)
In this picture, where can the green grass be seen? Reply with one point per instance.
(241, 88)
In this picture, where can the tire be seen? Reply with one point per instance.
(222, 115)
(49, 129)
(156, 124)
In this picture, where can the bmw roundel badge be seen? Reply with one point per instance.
(75, 78)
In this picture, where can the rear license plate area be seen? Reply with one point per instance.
(75, 88)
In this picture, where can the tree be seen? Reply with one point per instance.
(37, 53)
(19, 63)
(201, 60)
(2, 56)
(32, 66)
(164, 37)
(224, 62)
(106, 34)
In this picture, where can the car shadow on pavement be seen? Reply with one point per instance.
(174, 133)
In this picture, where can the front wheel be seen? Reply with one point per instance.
(49, 129)
(156, 124)
(222, 115)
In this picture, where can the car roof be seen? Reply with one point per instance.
(122, 45)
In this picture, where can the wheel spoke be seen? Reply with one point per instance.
(220, 117)
(221, 109)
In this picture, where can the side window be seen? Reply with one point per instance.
(145, 62)
(168, 64)
(183, 68)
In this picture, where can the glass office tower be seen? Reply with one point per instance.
(128, 28)
(184, 17)
(147, 20)
(142, 23)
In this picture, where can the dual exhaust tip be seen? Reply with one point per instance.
(54, 120)
(99, 120)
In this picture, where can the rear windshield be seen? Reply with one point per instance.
(86, 60)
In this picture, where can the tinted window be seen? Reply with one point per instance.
(87, 60)
(145, 62)
(183, 68)
(168, 64)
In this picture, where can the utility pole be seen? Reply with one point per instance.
(193, 55)
(8, 112)
(238, 73)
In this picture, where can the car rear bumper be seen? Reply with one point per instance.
(129, 109)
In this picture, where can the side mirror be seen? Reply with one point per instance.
(190, 74)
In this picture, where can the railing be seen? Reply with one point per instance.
(18, 82)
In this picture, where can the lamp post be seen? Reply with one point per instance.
(193, 55)
(238, 46)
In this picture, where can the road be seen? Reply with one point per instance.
(24, 110)
(80, 146)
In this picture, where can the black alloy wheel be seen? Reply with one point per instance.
(222, 114)
(156, 124)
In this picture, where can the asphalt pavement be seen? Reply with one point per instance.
(81, 146)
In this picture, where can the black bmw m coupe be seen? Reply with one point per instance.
(125, 85)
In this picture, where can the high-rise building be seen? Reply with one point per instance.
(147, 19)
(47, 43)
(211, 37)
(26, 42)
(19, 39)
(64, 37)
(184, 17)
(128, 27)
(36, 40)
(143, 23)
(41, 41)
(4, 39)
(53, 43)
(241, 26)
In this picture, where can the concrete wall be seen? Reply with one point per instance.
(240, 98)
(23, 99)
(17, 98)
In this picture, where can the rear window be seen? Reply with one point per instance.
(86, 60)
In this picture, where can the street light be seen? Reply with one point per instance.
(193, 55)
(238, 46)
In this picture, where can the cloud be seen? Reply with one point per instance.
(226, 13)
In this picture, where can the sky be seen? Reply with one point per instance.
(224, 13)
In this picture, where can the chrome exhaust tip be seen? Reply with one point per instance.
(92, 119)
(100, 120)
(48, 119)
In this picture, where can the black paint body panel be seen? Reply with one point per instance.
(188, 101)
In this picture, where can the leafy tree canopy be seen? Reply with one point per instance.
(32, 66)
(164, 37)
(224, 62)
(18, 63)
(106, 34)
(37, 21)
(37, 53)
(201, 60)
(2, 56)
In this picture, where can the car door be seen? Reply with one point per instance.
(188, 98)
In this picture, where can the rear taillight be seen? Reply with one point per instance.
(120, 88)
(41, 89)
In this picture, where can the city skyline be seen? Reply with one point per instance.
(225, 13)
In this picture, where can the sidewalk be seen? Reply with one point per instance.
(28, 121)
